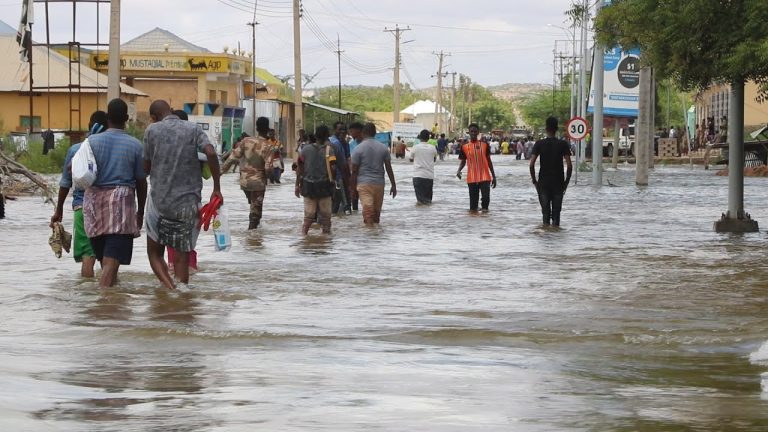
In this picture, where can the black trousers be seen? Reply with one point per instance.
(423, 189)
(341, 199)
(475, 189)
(551, 200)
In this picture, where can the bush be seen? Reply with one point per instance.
(136, 130)
(52, 163)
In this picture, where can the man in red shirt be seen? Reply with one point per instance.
(476, 155)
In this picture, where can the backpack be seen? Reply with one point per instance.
(84, 168)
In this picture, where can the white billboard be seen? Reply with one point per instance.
(407, 131)
(621, 83)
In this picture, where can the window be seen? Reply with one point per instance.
(212, 96)
(24, 122)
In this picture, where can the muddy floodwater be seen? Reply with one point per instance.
(635, 316)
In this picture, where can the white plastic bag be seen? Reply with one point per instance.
(84, 168)
(221, 234)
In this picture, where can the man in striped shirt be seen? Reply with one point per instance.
(113, 207)
(476, 155)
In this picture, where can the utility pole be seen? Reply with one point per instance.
(583, 76)
(113, 69)
(652, 117)
(554, 76)
(439, 95)
(644, 127)
(736, 219)
(451, 124)
(338, 53)
(397, 31)
(616, 138)
(598, 70)
(253, 25)
(297, 101)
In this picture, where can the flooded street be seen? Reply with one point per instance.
(635, 316)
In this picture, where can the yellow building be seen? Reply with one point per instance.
(204, 83)
(56, 104)
(712, 103)
(167, 67)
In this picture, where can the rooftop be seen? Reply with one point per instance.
(159, 40)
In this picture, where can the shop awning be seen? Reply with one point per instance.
(331, 109)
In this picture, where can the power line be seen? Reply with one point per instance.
(331, 47)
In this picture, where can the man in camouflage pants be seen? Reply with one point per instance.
(254, 158)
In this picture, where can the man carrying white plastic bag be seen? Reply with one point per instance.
(170, 158)
(84, 169)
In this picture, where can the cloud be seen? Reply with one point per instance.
(493, 41)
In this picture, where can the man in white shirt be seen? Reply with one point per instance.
(424, 157)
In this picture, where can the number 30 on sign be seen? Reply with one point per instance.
(577, 128)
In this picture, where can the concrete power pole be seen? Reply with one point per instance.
(643, 128)
(338, 53)
(439, 95)
(451, 124)
(297, 101)
(397, 31)
(113, 69)
(253, 25)
(616, 138)
(652, 121)
(736, 220)
(583, 96)
(598, 70)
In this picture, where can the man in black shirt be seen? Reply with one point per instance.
(551, 185)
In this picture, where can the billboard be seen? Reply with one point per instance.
(621, 83)
(409, 132)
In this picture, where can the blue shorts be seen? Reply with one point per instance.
(115, 246)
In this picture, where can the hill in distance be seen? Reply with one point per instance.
(516, 91)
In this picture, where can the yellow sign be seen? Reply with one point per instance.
(173, 63)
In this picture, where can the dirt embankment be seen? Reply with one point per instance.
(760, 171)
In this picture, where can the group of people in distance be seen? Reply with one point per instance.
(322, 164)
(176, 154)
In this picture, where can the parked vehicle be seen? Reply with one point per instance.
(626, 143)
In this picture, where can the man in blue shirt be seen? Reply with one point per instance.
(82, 250)
(442, 146)
(356, 132)
(113, 207)
(341, 148)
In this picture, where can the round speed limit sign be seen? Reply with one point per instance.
(577, 128)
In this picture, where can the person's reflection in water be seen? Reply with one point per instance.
(124, 377)
(112, 304)
(315, 245)
(174, 306)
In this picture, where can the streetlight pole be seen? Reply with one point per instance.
(571, 34)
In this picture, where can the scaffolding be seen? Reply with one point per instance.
(75, 50)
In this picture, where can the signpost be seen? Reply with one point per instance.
(577, 129)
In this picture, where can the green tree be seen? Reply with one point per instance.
(364, 98)
(493, 114)
(538, 107)
(669, 106)
(693, 42)
(477, 104)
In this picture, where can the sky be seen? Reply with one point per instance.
(491, 41)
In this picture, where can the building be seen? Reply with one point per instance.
(423, 113)
(218, 89)
(64, 93)
(712, 104)
(383, 119)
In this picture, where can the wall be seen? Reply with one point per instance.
(13, 106)
(713, 102)
(175, 92)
